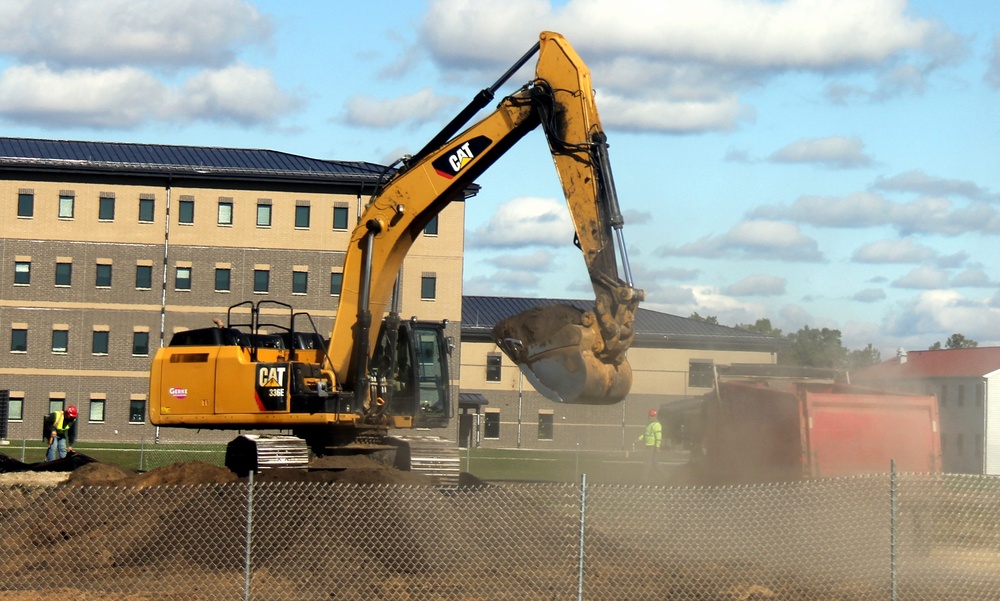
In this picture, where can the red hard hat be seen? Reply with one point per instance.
(71, 412)
(652, 413)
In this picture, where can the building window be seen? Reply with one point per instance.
(15, 408)
(143, 277)
(106, 208)
(19, 340)
(701, 373)
(64, 274)
(340, 215)
(22, 273)
(99, 344)
(136, 411)
(428, 287)
(182, 280)
(185, 211)
(263, 214)
(300, 282)
(336, 283)
(493, 362)
(56, 404)
(225, 212)
(431, 229)
(26, 204)
(261, 280)
(60, 341)
(491, 424)
(545, 425)
(66, 203)
(103, 275)
(302, 216)
(222, 279)
(147, 208)
(96, 410)
(140, 344)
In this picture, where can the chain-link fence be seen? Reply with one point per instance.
(884, 537)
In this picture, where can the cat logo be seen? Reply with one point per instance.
(452, 162)
(271, 394)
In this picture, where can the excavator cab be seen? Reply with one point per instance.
(414, 380)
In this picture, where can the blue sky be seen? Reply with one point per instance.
(830, 163)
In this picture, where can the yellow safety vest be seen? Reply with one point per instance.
(653, 434)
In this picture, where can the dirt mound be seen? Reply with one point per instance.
(99, 474)
(189, 472)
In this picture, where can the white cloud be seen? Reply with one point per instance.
(838, 152)
(540, 260)
(502, 283)
(525, 221)
(893, 251)
(680, 66)
(90, 33)
(126, 97)
(919, 182)
(869, 295)
(757, 285)
(415, 108)
(757, 239)
(861, 209)
(935, 314)
(924, 278)
(992, 76)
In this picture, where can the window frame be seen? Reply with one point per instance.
(106, 208)
(60, 335)
(261, 286)
(103, 273)
(25, 205)
(262, 210)
(219, 215)
(297, 286)
(105, 337)
(132, 412)
(428, 287)
(12, 402)
(138, 335)
(701, 378)
(178, 280)
(103, 404)
(336, 277)
(431, 229)
(229, 279)
(67, 276)
(25, 279)
(491, 425)
(494, 367)
(546, 425)
(185, 211)
(18, 335)
(141, 269)
(302, 217)
(341, 218)
(147, 205)
(67, 206)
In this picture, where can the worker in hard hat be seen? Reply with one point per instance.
(650, 441)
(60, 430)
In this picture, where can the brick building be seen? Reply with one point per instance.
(109, 249)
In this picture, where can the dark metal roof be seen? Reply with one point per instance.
(655, 329)
(150, 159)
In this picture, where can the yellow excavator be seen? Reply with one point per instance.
(345, 394)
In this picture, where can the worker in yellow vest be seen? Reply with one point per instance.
(60, 432)
(651, 439)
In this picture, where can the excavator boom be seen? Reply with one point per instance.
(574, 357)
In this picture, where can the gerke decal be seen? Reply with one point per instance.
(457, 158)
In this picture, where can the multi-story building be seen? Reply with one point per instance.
(109, 249)
(673, 359)
(967, 385)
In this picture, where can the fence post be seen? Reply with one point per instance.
(583, 529)
(249, 538)
(24, 446)
(892, 530)
(142, 448)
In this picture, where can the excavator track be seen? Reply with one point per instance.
(433, 456)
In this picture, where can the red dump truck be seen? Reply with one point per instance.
(771, 429)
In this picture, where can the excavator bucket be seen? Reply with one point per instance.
(556, 347)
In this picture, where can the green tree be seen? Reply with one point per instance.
(862, 358)
(761, 326)
(706, 319)
(813, 347)
(955, 341)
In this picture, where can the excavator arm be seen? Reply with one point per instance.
(570, 355)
